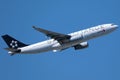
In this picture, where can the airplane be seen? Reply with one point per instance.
(58, 41)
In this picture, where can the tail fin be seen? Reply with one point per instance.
(12, 43)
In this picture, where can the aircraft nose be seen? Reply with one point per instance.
(115, 26)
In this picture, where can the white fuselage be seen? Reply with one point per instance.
(76, 38)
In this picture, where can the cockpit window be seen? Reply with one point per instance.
(112, 24)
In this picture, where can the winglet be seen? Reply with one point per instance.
(34, 27)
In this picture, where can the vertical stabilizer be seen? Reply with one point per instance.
(12, 43)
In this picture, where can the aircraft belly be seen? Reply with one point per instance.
(36, 49)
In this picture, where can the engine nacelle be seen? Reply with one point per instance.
(81, 45)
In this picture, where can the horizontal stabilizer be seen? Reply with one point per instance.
(13, 50)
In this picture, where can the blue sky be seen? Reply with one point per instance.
(101, 61)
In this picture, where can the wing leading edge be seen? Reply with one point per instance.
(61, 38)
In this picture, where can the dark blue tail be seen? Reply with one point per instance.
(13, 43)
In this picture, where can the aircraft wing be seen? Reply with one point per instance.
(61, 38)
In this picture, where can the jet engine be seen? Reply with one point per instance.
(81, 46)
